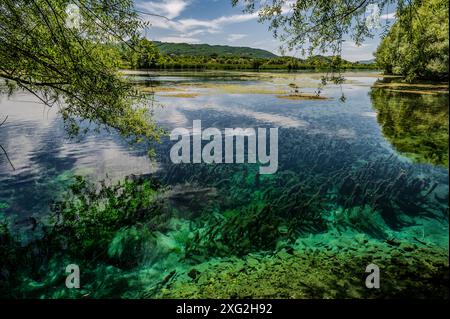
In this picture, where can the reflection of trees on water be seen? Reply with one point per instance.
(415, 124)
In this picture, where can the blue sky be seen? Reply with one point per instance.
(217, 22)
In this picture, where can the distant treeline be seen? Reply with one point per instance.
(144, 54)
(188, 49)
(249, 63)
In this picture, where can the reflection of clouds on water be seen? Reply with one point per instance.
(112, 162)
(173, 112)
(343, 133)
(171, 116)
(346, 133)
(39, 148)
(369, 114)
(36, 141)
(26, 140)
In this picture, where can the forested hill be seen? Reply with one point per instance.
(185, 49)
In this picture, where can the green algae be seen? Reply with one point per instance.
(301, 96)
(159, 89)
(225, 88)
(320, 271)
(182, 95)
(248, 253)
(88, 218)
(225, 231)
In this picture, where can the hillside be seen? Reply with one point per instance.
(185, 49)
(371, 61)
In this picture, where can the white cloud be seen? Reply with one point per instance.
(353, 52)
(168, 8)
(388, 16)
(189, 29)
(235, 37)
(195, 25)
(178, 39)
(288, 6)
(352, 45)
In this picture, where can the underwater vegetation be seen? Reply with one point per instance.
(121, 234)
(326, 268)
(93, 226)
(312, 183)
(337, 203)
(415, 124)
(90, 217)
(147, 238)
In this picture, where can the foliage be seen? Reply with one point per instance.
(145, 55)
(412, 48)
(72, 65)
(206, 50)
(415, 124)
(106, 229)
(251, 63)
(255, 212)
(322, 268)
(148, 57)
(316, 25)
(88, 219)
(419, 49)
(238, 232)
(161, 55)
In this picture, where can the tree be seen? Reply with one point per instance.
(61, 52)
(145, 56)
(421, 50)
(320, 25)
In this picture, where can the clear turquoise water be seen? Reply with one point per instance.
(333, 158)
(346, 135)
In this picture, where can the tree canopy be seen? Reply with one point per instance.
(320, 25)
(415, 47)
(145, 55)
(421, 49)
(60, 51)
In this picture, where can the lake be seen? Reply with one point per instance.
(375, 164)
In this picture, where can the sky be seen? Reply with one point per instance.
(217, 22)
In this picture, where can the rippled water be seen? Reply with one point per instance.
(318, 139)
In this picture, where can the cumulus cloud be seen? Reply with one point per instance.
(388, 16)
(189, 28)
(209, 26)
(168, 8)
(236, 37)
(354, 52)
(177, 39)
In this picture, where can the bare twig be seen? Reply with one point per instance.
(3, 149)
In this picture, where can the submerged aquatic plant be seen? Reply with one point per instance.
(362, 219)
(98, 227)
(88, 218)
(236, 232)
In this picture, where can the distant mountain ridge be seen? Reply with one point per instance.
(371, 61)
(187, 49)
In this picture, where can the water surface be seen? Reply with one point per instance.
(349, 155)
